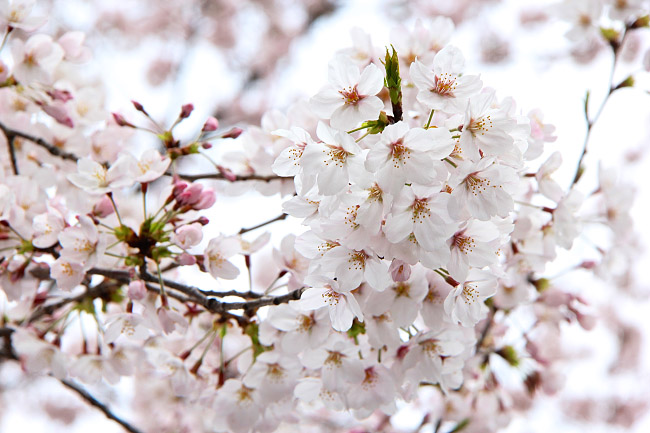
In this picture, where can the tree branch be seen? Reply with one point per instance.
(12, 153)
(277, 218)
(238, 178)
(53, 150)
(98, 404)
(195, 295)
(590, 122)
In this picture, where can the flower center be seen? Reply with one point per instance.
(445, 85)
(351, 95)
(465, 244)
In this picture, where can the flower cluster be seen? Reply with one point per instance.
(431, 213)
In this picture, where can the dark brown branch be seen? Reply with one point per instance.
(195, 295)
(277, 218)
(238, 178)
(93, 292)
(12, 153)
(12, 134)
(486, 330)
(245, 295)
(98, 404)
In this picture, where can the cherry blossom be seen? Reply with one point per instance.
(443, 88)
(350, 97)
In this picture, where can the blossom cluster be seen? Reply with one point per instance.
(430, 208)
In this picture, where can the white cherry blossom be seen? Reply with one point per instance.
(443, 87)
(466, 302)
(405, 155)
(96, 179)
(325, 292)
(350, 98)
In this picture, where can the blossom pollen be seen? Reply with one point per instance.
(275, 372)
(305, 323)
(464, 244)
(402, 289)
(469, 294)
(334, 358)
(337, 155)
(445, 85)
(477, 185)
(331, 297)
(420, 210)
(371, 378)
(480, 125)
(400, 153)
(357, 260)
(351, 95)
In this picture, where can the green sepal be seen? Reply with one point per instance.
(393, 83)
(509, 354)
(356, 329)
(253, 330)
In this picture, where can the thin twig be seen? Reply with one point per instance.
(93, 292)
(12, 153)
(200, 298)
(277, 218)
(53, 150)
(246, 295)
(486, 330)
(592, 121)
(98, 404)
(220, 176)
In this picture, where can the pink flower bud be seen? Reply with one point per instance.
(203, 220)
(233, 133)
(190, 195)
(138, 106)
(179, 187)
(188, 235)
(186, 259)
(212, 124)
(399, 270)
(206, 200)
(103, 207)
(60, 95)
(186, 110)
(587, 321)
(137, 290)
(59, 113)
(227, 173)
(206, 145)
(121, 121)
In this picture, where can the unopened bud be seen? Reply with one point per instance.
(138, 106)
(212, 124)
(206, 145)
(186, 110)
(121, 121)
(233, 133)
(227, 173)
(186, 259)
(399, 270)
(137, 290)
(103, 207)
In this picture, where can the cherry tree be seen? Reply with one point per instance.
(425, 214)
